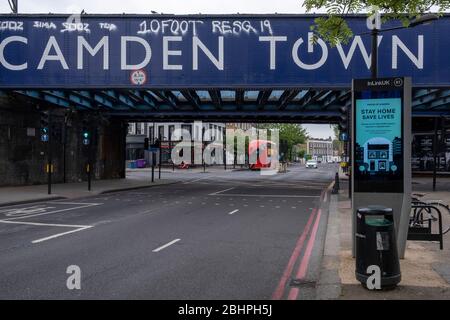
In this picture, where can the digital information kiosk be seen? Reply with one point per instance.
(381, 150)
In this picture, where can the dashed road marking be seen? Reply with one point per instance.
(166, 245)
(233, 212)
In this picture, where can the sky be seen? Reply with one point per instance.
(160, 6)
(169, 6)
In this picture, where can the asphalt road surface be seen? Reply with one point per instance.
(216, 235)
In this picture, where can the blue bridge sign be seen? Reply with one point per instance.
(234, 51)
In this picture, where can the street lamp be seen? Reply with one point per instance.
(424, 19)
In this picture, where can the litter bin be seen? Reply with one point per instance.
(376, 245)
(132, 165)
(141, 163)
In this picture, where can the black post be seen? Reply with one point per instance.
(89, 175)
(435, 142)
(153, 166)
(224, 150)
(160, 157)
(50, 155)
(203, 157)
(374, 64)
(336, 184)
(89, 165)
(170, 150)
(65, 152)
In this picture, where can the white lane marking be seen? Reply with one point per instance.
(200, 179)
(60, 235)
(77, 203)
(233, 212)
(85, 205)
(78, 228)
(325, 197)
(42, 224)
(218, 192)
(166, 245)
(266, 195)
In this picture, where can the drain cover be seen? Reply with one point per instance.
(302, 283)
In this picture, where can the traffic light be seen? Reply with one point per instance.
(343, 123)
(86, 135)
(45, 126)
(146, 143)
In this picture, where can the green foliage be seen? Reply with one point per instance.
(292, 133)
(302, 154)
(333, 29)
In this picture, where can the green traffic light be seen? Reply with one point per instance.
(86, 135)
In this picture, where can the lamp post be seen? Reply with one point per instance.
(424, 19)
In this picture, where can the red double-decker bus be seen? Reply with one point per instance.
(262, 151)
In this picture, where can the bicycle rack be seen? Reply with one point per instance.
(421, 221)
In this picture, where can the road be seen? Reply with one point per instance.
(216, 235)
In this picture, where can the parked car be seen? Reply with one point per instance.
(311, 164)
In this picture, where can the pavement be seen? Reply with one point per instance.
(215, 235)
(425, 269)
(28, 194)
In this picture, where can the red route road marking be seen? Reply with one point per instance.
(278, 294)
(303, 268)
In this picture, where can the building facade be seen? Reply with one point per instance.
(321, 150)
(170, 134)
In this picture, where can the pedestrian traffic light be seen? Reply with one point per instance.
(86, 136)
(343, 121)
(45, 126)
(146, 143)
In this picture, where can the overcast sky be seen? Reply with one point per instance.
(169, 6)
(164, 6)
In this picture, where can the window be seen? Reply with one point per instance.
(151, 133)
(171, 131)
(211, 133)
(139, 128)
(161, 132)
(131, 128)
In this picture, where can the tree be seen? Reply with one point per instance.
(337, 143)
(302, 154)
(334, 29)
(292, 133)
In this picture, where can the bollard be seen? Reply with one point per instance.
(336, 184)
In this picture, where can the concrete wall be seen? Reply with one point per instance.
(23, 156)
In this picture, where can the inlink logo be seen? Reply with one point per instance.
(398, 82)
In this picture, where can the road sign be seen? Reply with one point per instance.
(343, 136)
(48, 51)
(44, 138)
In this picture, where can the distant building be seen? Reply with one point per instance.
(199, 131)
(242, 126)
(321, 149)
